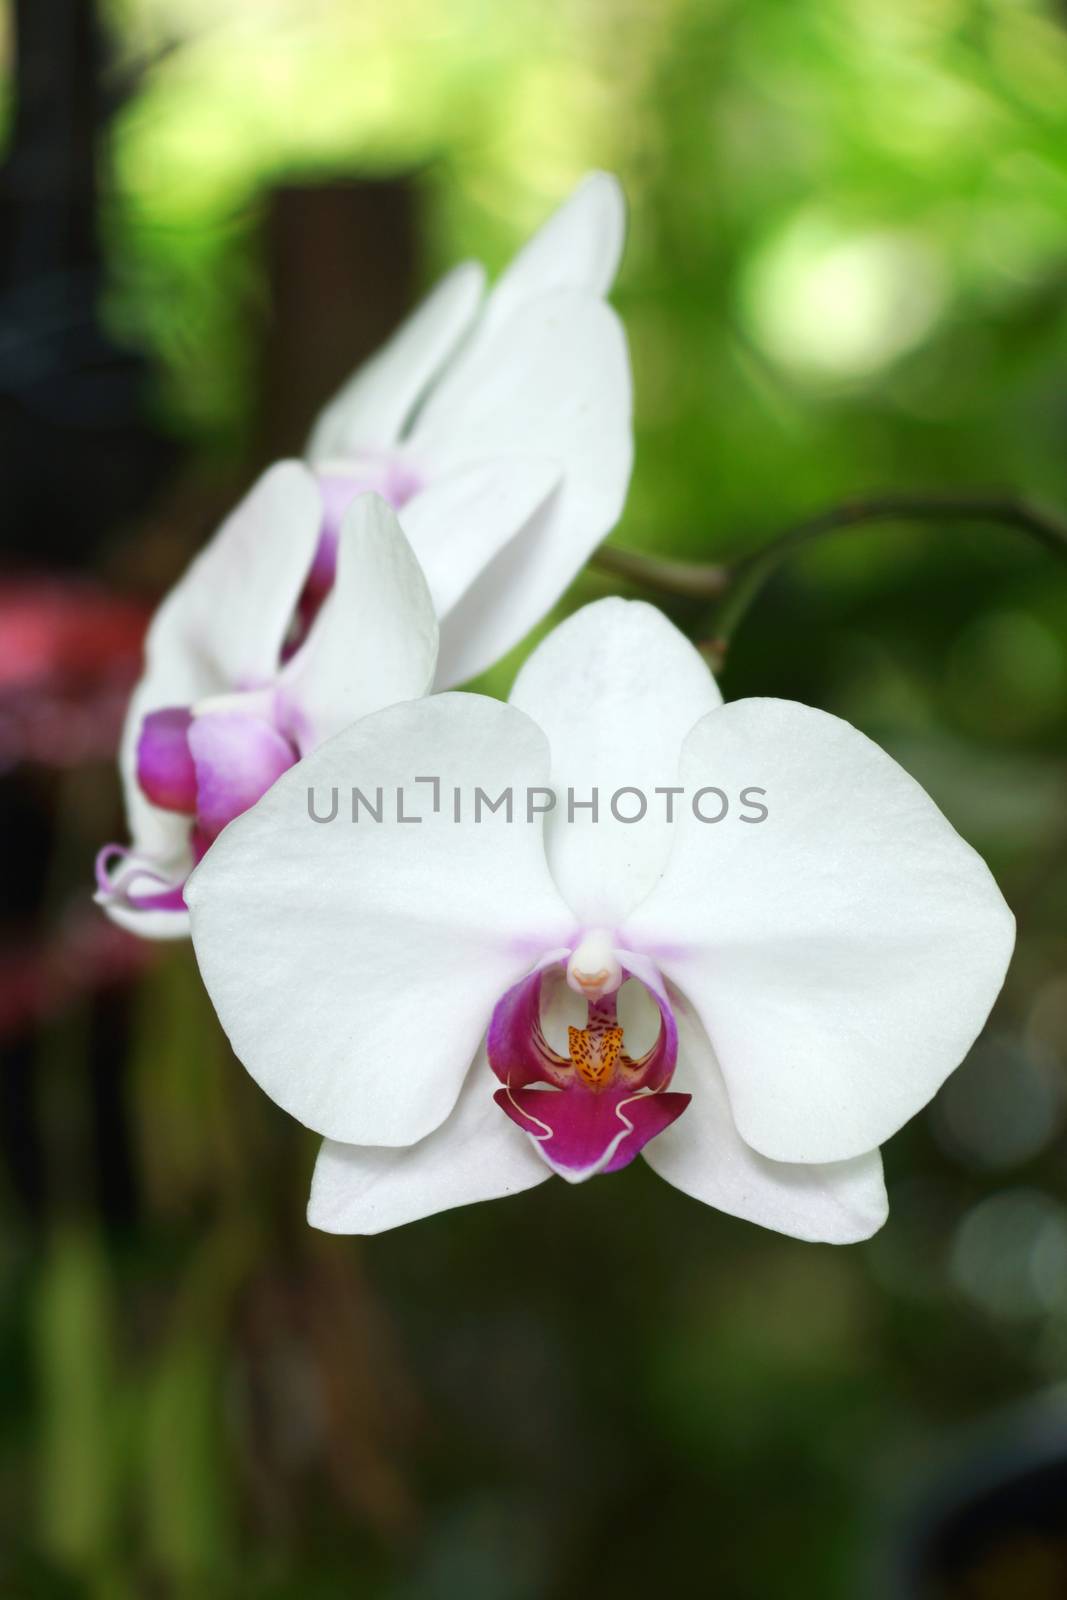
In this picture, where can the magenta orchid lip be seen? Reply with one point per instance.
(593, 1110)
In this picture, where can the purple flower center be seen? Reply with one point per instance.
(594, 1109)
(209, 769)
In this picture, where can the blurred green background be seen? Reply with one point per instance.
(846, 273)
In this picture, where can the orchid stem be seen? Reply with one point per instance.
(736, 586)
(695, 580)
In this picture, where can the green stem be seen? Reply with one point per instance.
(694, 579)
(736, 586)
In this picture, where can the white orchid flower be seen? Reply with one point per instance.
(224, 708)
(812, 975)
(499, 430)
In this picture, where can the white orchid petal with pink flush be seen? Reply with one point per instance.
(219, 716)
(811, 975)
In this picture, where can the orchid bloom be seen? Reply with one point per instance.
(500, 432)
(499, 429)
(466, 1003)
(223, 708)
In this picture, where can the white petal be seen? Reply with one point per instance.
(476, 1154)
(226, 620)
(844, 953)
(704, 1155)
(616, 689)
(462, 520)
(579, 247)
(374, 642)
(355, 965)
(370, 411)
(554, 383)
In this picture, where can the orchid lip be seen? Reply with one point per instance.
(593, 1110)
(211, 761)
(165, 768)
(141, 885)
(543, 1134)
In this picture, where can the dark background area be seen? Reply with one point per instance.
(846, 274)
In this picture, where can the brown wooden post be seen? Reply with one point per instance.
(341, 267)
